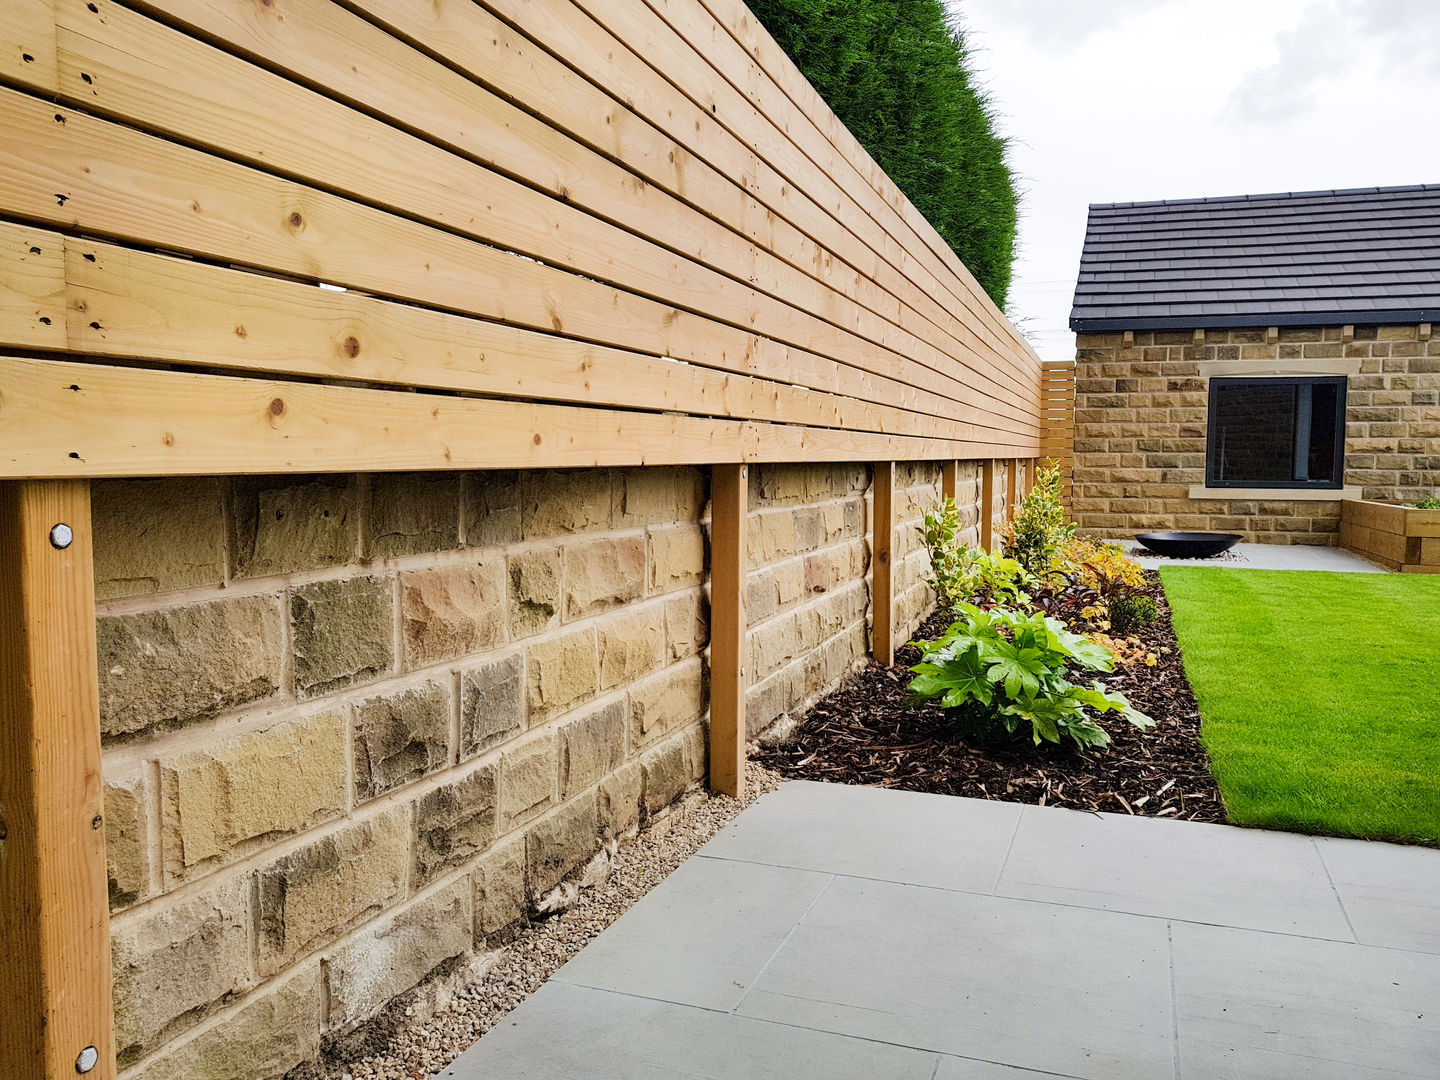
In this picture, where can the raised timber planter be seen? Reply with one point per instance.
(1400, 537)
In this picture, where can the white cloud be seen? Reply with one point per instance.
(1314, 53)
(1062, 25)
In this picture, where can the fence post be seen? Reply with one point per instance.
(1012, 476)
(949, 479)
(987, 505)
(54, 907)
(729, 495)
(882, 574)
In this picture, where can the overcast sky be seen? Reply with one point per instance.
(1118, 100)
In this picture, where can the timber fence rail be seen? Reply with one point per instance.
(338, 236)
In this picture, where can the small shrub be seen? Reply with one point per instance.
(1006, 667)
(1101, 565)
(1132, 611)
(1432, 503)
(959, 573)
(1038, 532)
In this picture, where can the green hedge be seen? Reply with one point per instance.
(896, 72)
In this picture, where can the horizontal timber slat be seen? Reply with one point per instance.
(634, 223)
(63, 419)
(82, 172)
(142, 306)
(144, 72)
(854, 176)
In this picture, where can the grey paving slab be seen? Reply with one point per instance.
(701, 936)
(567, 1032)
(1174, 869)
(1264, 557)
(954, 1068)
(904, 836)
(1390, 892)
(1255, 1006)
(1055, 989)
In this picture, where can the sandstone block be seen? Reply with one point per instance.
(282, 524)
(666, 774)
(281, 779)
(127, 850)
(647, 496)
(169, 668)
(618, 800)
(171, 966)
(311, 896)
(534, 590)
(760, 601)
(591, 746)
(492, 704)
(400, 737)
(809, 528)
(265, 1040)
(500, 893)
(777, 535)
(560, 842)
(667, 701)
(411, 513)
(342, 634)
(562, 672)
(386, 960)
(153, 536)
(492, 508)
(454, 823)
(558, 501)
(687, 624)
(603, 574)
(452, 611)
(528, 775)
(677, 558)
(782, 483)
(632, 644)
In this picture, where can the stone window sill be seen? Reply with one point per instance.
(1200, 491)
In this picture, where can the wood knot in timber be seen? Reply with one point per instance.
(351, 346)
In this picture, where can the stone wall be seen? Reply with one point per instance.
(355, 727)
(1141, 413)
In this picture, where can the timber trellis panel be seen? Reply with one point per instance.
(270, 236)
(1057, 440)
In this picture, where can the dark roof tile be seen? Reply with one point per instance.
(1316, 257)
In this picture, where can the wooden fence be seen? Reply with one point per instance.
(270, 236)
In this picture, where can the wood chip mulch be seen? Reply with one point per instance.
(864, 733)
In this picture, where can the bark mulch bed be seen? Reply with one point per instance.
(864, 733)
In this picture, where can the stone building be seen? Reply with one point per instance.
(1245, 364)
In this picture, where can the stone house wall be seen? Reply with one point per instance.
(1140, 427)
(354, 727)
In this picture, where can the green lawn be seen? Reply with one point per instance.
(1319, 696)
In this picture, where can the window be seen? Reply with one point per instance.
(1276, 433)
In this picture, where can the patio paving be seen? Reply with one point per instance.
(1264, 557)
(843, 932)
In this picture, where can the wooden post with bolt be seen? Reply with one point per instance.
(54, 909)
(729, 495)
(882, 573)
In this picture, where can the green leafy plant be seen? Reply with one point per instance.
(960, 573)
(1431, 503)
(1008, 667)
(1038, 533)
(1131, 611)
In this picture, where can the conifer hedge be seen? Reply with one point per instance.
(897, 73)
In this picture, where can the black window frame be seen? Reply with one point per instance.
(1340, 382)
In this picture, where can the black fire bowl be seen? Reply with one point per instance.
(1188, 545)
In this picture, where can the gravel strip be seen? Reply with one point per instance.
(422, 1048)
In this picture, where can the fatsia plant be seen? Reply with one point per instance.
(1010, 667)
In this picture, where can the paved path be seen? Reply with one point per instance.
(1266, 557)
(842, 933)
